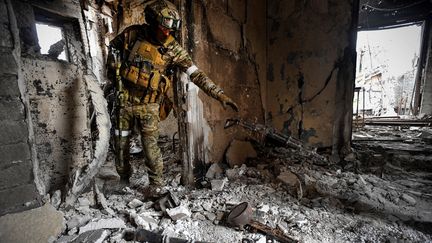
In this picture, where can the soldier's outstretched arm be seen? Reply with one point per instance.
(183, 60)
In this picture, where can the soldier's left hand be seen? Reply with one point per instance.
(227, 101)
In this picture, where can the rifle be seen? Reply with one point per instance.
(119, 104)
(271, 136)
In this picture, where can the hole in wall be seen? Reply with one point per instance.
(52, 41)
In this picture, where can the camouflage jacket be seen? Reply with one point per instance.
(173, 54)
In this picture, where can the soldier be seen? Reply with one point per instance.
(148, 53)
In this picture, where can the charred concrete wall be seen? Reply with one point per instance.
(57, 92)
(227, 40)
(310, 69)
(18, 189)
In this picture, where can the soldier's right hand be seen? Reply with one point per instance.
(227, 101)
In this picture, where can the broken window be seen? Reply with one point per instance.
(52, 41)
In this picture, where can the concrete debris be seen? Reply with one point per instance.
(92, 236)
(66, 239)
(236, 172)
(143, 221)
(36, 225)
(262, 240)
(350, 157)
(292, 183)
(214, 172)
(238, 152)
(135, 203)
(178, 213)
(218, 185)
(101, 201)
(56, 199)
(176, 181)
(198, 216)
(210, 216)
(207, 206)
(78, 221)
(72, 232)
(113, 223)
(83, 202)
(108, 172)
(328, 196)
(407, 198)
(264, 209)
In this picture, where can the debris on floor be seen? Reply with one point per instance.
(378, 194)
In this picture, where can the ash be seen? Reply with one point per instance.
(379, 193)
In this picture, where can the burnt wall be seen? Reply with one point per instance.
(59, 109)
(18, 189)
(310, 72)
(226, 39)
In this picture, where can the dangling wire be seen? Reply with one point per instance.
(394, 9)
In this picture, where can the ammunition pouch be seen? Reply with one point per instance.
(144, 71)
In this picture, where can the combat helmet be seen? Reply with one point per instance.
(164, 13)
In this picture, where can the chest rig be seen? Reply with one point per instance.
(145, 72)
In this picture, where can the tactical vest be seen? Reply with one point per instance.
(144, 70)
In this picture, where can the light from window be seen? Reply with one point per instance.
(51, 41)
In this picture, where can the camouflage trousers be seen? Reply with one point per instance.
(147, 116)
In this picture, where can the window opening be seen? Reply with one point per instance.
(387, 62)
(52, 41)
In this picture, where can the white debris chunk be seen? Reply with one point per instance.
(135, 203)
(178, 213)
(139, 221)
(264, 208)
(262, 240)
(78, 221)
(113, 223)
(56, 199)
(214, 171)
(218, 185)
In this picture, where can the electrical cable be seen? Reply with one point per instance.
(394, 9)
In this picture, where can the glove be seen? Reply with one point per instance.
(227, 101)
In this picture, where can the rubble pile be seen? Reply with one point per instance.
(306, 202)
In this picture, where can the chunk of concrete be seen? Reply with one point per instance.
(407, 198)
(178, 213)
(56, 199)
(238, 152)
(292, 183)
(143, 221)
(135, 203)
(288, 178)
(40, 225)
(218, 185)
(214, 171)
(92, 236)
(77, 221)
(113, 223)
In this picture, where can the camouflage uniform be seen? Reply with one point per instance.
(142, 96)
